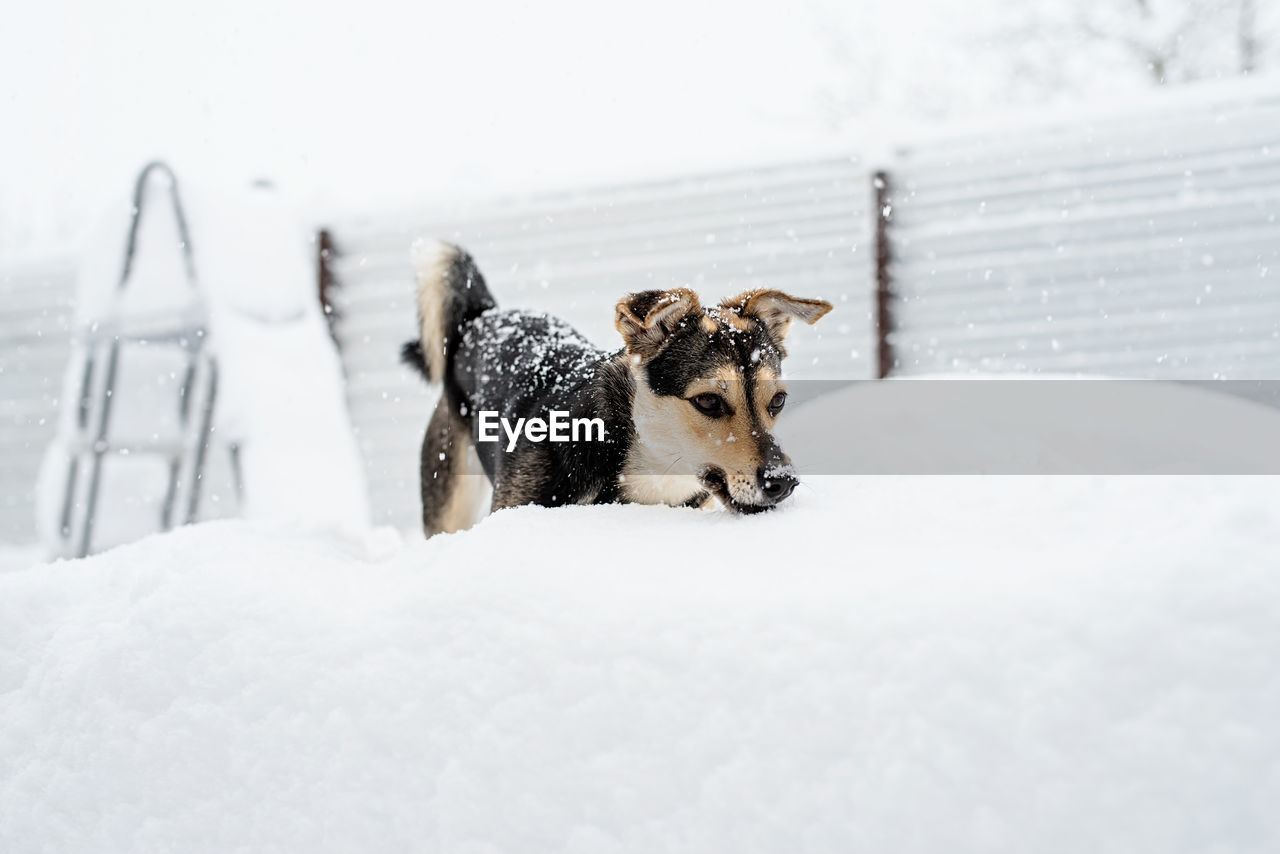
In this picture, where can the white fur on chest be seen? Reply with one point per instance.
(642, 480)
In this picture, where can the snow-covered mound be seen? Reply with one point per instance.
(890, 664)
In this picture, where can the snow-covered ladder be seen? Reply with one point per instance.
(198, 388)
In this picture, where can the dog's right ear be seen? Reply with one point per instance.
(647, 319)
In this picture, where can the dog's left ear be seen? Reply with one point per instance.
(647, 319)
(776, 310)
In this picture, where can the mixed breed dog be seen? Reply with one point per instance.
(681, 415)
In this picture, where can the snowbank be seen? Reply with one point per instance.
(891, 664)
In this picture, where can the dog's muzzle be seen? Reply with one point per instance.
(773, 486)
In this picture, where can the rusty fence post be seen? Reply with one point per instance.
(325, 256)
(884, 284)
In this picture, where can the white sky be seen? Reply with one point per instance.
(391, 100)
(385, 102)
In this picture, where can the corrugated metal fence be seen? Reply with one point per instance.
(1143, 244)
(35, 341)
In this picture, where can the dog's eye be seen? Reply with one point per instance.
(711, 405)
(779, 400)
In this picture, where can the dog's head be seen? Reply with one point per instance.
(708, 387)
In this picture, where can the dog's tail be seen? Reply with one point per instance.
(451, 292)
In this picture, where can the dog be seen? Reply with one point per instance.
(687, 405)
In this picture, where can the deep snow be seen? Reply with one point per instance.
(890, 664)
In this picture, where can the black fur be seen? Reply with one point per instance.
(411, 355)
(524, 365)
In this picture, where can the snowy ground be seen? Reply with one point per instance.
(19, 557)
(891, 664)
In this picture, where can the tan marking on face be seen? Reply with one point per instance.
(672, 437)
(768, 383)
(708, 325)
(728, 382)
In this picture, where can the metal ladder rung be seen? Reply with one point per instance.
(189, 337)
(140, 448)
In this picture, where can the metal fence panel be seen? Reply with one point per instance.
(35, 339)
(1144, 244)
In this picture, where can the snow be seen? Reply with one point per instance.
(283, 402)
(20, 557)
(889, 664)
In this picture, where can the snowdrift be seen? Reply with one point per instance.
(890, 664)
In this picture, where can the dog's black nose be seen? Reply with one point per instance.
(776, 485)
